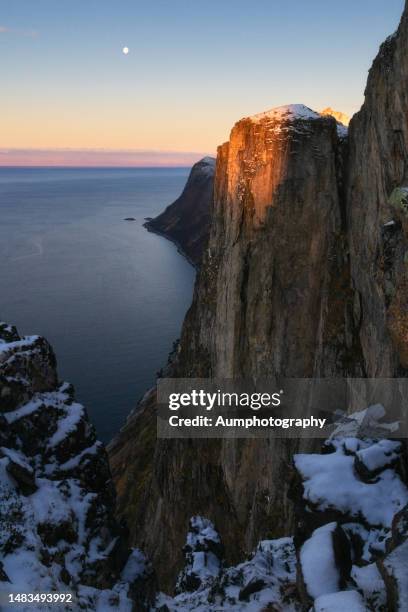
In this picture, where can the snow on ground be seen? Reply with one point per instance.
(342, 601)
(289, 112)
(368, 579)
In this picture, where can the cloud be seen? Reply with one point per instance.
(18, 32)
(97, 157)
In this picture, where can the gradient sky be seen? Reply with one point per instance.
(194, 68)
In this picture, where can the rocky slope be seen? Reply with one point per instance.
(349, 548)
(58, 532)
(187, 220)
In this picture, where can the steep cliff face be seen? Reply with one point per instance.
(305, 275)
(58, 531)
(262, 303)
(376, 213)
(187, 220)
(271, 297)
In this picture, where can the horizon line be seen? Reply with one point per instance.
(96, 158)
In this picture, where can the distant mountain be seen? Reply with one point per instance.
(338, 115)
(187, 220)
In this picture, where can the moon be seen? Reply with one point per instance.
(125, 50)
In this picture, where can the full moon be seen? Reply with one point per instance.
(125, 50)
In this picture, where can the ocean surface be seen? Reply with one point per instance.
(107, 294)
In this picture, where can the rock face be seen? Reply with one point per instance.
(57, 500)
(271, 297)
(265, 302)
(305, 275)
(378, 141)
(187, 220)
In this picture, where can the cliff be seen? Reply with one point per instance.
(376, 209)
(187, 220)
(304, 275)
(271, 297)
(58, 532)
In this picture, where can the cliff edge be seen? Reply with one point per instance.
(187, 220)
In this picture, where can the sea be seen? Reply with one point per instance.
(108, 295)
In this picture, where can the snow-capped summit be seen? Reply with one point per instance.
(288, 112)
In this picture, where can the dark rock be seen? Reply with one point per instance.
(249, 589)
(187, 221)
(129, 219)
(393, 569)
(3, 575)
(24, 477)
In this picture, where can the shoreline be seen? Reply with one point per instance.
(174, 241)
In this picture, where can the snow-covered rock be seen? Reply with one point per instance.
(331, 482)
(58, 532)
(265, 580)
(324, 561)
(203, 553)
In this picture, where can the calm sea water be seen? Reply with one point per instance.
(107, 294)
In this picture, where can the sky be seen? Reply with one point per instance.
(193, 69)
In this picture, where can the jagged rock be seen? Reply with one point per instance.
(187, 220)
(394, 566)
(371, 461)
(23, 475)
(394, 570)
(400, 527)
(57, 501)
(266, 581)
(203, 553)
(253, 586)
(369, 582)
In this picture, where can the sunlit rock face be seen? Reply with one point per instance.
(262, 299)
(270, 297)
(338, 115)
(376, 210)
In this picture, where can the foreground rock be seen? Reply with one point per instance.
(58, 532)
(187, 220)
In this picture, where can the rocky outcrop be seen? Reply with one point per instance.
(187, 221)
(58, 531)
(378, 142)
